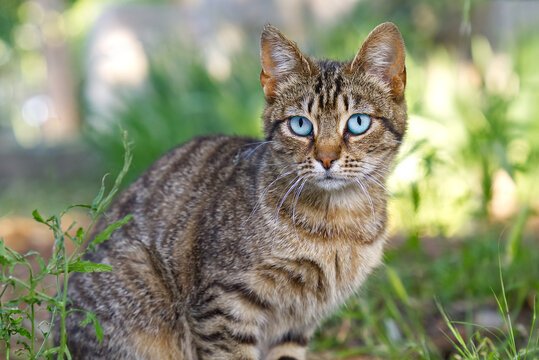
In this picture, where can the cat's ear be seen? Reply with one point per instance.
(280, 59)
(382, 55)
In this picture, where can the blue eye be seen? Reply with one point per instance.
(300, 125)
(359, 123)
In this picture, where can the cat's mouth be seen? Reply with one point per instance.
(331, 182)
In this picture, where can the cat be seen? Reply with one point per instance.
(238, 248)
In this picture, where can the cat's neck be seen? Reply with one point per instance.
(355, 211)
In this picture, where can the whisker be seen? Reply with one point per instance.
(381, 170)
(280, 164)
(362, 171)
(299, 178)
(375, 181)
(263, 193)
(380, 173)
(256, 143)
(298, 192)
(296, 182)
(374, 176)
(256, 147)
(379, 165)
(368, 197)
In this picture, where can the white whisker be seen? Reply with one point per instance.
(368, 197)
(294, 208)
(296, 182)
(256, 148)
(257, 204)
(375, 181)
(379, 172)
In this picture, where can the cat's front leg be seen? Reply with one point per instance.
(291, 346)
(287, 351)
(228, 350)
(224, 339)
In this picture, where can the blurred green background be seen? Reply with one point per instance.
(465, 193)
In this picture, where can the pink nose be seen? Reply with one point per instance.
(327, 160)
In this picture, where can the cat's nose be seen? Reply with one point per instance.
(326, 154)
(326, 160)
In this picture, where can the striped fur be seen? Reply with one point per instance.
(238, 247)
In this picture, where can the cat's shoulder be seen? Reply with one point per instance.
(206, 146)
(202, 155)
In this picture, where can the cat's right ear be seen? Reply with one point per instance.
(382, 56)
(281, 59)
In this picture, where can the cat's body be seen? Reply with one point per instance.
(238, 248)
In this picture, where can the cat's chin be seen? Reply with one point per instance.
(331, 183)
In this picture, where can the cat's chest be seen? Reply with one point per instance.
(308, 281)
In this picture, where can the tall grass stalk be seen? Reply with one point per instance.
(483, 347)
(60, 265)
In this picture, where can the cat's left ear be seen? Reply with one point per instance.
(281, 61)
(382, 55)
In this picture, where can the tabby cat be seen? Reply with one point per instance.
(238, 247)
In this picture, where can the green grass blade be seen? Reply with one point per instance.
(504, 310)
(515, 236)
(397, 285)
(532, 328)
(105, 234)
(461, 347)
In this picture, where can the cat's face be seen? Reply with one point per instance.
(335, 123)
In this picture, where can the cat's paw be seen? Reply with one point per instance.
(288, 351)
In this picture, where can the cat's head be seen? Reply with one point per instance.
(335, 123)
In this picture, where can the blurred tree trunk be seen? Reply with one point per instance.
(61, 80)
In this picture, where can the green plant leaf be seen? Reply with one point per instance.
(86, 266)
(13, 305)
(71, 226)
(24, 332)
(397, 285)
(42, 265)
(515, 236)
(38, 217)
(90, 317)
(105, 234)
(80, 232)
(31, 252)
(99, 196)
(14, 321)
(50, 351)
(5, 257)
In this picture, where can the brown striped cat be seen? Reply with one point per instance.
(239, 248)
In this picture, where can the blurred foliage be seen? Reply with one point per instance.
(396, 315)
(8, 18)
(423, 24)
(179, 101)
(464, 187)
(471, 109)
(28, 293)
(473, 114)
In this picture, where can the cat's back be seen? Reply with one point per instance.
(152, 255)
(184, 179)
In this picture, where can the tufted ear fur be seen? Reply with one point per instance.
(281, 59)
(382, 55)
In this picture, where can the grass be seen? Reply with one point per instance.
(452, 264)
(181, 100)
(495, 343)
(404, 309)
(28, 293)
